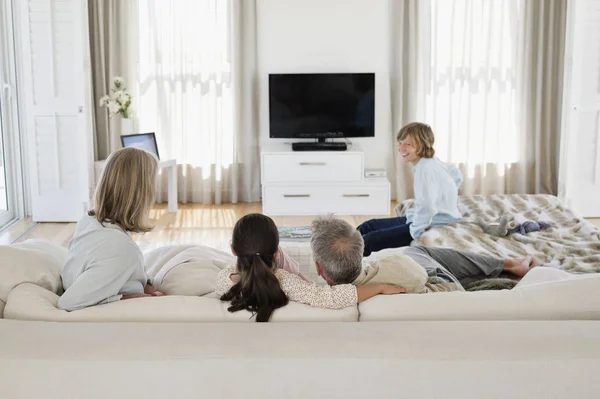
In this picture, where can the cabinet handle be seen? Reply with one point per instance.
(356, 195)
(312, 163)
(296, 195)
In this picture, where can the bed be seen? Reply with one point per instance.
(573, 244)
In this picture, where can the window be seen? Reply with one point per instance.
(11, 193)
(471, 101)
(185, 85)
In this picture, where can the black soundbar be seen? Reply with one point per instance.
(319, 147)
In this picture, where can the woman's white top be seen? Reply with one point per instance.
(103, 264)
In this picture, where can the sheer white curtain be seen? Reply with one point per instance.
(197, 72)
(491, 89)
(473, 88)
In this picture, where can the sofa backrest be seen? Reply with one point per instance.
(546, 294)
(31, 302)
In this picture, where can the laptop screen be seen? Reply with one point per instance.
(143, 141)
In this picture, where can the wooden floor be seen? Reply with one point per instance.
(192, 224)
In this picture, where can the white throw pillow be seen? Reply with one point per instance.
(34, 261)
(397, 268)
(186, 270)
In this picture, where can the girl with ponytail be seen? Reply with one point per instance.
(260, 282)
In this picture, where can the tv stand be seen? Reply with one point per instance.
(319, 182)
(320, 146)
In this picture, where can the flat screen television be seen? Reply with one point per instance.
(321, 105)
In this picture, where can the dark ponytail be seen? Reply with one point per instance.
(255, 241)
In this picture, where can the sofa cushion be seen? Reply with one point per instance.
(2, 305)
(31, 302)
(33, 261)
(576, 298)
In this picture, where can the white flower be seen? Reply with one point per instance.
(123, 97)
(118, 100)
(116, 95)
(104, 100)
(113, 108)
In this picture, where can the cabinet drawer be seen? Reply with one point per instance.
(353, 200)
(311, 167)
(320, 200)
(290, 200)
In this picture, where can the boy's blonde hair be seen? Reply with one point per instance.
(423, 137)
(126, 190)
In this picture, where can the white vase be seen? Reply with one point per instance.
(126, 126)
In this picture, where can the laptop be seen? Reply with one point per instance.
(142, 141)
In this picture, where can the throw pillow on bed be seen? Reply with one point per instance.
(186, 270)
(391, 266)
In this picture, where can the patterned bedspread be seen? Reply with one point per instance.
(572, 245)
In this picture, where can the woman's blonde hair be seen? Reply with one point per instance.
(423, 137)
(126, 190)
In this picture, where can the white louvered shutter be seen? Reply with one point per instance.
(52, 45)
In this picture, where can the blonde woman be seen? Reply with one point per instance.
(104, 264)
(436, 194)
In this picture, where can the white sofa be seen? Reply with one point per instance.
(541, 339)
(30, 285)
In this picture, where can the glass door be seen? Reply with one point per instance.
(11, 192)
(4, 208)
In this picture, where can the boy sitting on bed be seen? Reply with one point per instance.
(436, 194)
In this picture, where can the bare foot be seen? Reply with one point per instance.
(519, 267)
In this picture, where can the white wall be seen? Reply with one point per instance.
(306, 36)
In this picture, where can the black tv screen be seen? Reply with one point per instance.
(322, 105)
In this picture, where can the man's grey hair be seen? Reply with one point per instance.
(338, 248)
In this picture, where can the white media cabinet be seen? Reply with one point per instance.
(319, 182)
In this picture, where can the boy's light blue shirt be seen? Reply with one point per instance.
(436, 195)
